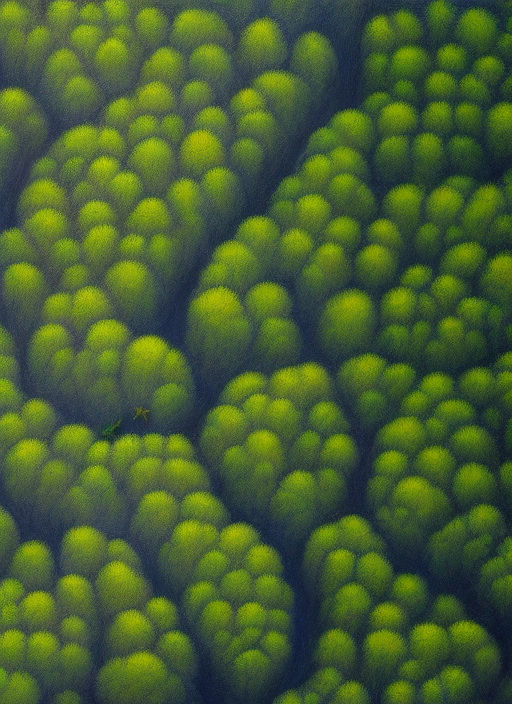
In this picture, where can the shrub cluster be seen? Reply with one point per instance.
(282, 450)
(326, 244)
(113, 217)
(89, 623)
(385, 638)
(439, 489)
(229, 584)
(441, 91)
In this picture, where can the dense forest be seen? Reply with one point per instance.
(255, 352)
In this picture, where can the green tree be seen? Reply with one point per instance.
(345, 539)
(465, 155)
(471, 646)
(177, 652)
(474, 484)
(22, 688)
(472, 443)
(133, 290)
(498, 124)
(95, 212)
(223, 193)
(402, 206)
(94, 499)
(474, 89)
(262, 46)
(379, 35)
(393, 160)
(74, 629)
(132, 679)
(195, 96)
(437, 118)
(299, 503)
(349, 196)
(38, 612)
(24, 289)
(218, 333)
(440, 17)
(375, 267)
(335, 648)
(153, 520)
(42, 658)
(202, 506)
(410, 592)
(83, 551)
(150, 217)
(477, 31)
(24, 126)
(287, 97)
(261, 234)
(64, 77)
(13, 643)
(212, 64)
(452, 58)
(86, 38)
(125, 189)
(260, 460)
(465, 543)
(383, 653)
(346, 324)
(151, 26)
(115, 64)
(81, 99)
(154, 374)
(192, 28)
(405, 91)
(409, 63)
(463, 261)
(188, 543)
(153, 160)
(314, 60)
(32, 564)
(165, 64)
(397, 118)
(252, 673)
(440, 87)
(375, 73)
(248, 155)
(490, 68)
(200, 151)
(120, 588)
(428, 159)
(495, 580)
(407, 27)
(163, 613)
(261, 126)
(75, 596)
(129, 632)
(436, 464)
(232, 265)
(355, 130)
(416, 510)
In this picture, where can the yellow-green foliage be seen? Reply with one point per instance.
(281, 449)
(341, 322)
(51, 616)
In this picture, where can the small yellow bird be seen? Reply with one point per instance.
(141, 413)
